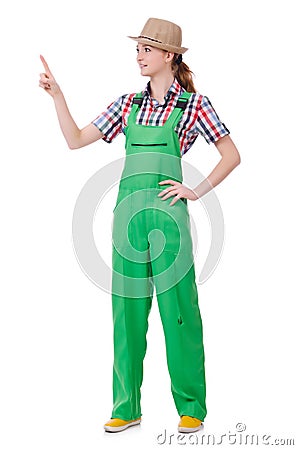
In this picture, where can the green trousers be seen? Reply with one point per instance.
(152, 247)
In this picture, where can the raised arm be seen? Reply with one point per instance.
(75, 137)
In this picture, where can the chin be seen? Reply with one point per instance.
(145, 73)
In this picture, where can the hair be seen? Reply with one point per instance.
(183, 74)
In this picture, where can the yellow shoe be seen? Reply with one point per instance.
(189, 424)
(114, 425)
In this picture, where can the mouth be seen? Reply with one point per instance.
(142, 66)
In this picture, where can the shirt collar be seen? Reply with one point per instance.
(175, 89)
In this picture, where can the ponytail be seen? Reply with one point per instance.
(183, 74)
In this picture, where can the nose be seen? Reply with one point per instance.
(139, 56)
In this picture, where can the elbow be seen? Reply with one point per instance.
(232, 161)
(74, 141)
(237, 160)
(72, 145)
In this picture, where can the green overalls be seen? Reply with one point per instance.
(152, 247)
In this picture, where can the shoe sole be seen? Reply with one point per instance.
(190, 430)
(123, 427)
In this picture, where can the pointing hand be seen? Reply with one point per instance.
(47, 80)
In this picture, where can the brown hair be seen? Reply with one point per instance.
(183, 74)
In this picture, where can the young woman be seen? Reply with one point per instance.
(152, 245)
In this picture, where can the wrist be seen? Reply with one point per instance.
(196, 194)
(57, 94)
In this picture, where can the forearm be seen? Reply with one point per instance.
(68, 126)
(219, 173)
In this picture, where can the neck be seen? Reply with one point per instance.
(160, 85)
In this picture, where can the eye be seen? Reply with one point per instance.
(147, 49)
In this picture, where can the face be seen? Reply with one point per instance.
(152, 60)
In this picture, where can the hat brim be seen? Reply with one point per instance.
(169, 48)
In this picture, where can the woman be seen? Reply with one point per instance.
(152, 243)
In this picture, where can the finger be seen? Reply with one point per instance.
(44, 85)
(168, 181)
(45, 64)
(169, 194)
(45, 82)
(169, 189)
(174, 201)
(44, 77)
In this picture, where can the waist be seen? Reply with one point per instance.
(146, 180)
(148, 169)
(141, 197)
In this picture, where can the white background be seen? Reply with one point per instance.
(56, 325)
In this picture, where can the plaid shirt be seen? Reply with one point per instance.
(199, 117)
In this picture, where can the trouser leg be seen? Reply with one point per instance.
(130, 322)
(180, 315)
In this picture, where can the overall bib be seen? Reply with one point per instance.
(152, 247)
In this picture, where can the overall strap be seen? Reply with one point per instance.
(136, 103)
(174, 116)
(178, 110)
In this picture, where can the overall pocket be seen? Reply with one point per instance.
(163, 144)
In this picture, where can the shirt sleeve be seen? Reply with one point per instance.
(109, 122)
(208, 123)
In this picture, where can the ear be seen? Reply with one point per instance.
(169, 56)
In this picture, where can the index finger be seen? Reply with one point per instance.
(47, 69)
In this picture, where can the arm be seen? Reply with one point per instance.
(230, 158)
(75, 137)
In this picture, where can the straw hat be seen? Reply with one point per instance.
(161, 34)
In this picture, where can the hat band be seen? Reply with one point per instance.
(149, 38)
